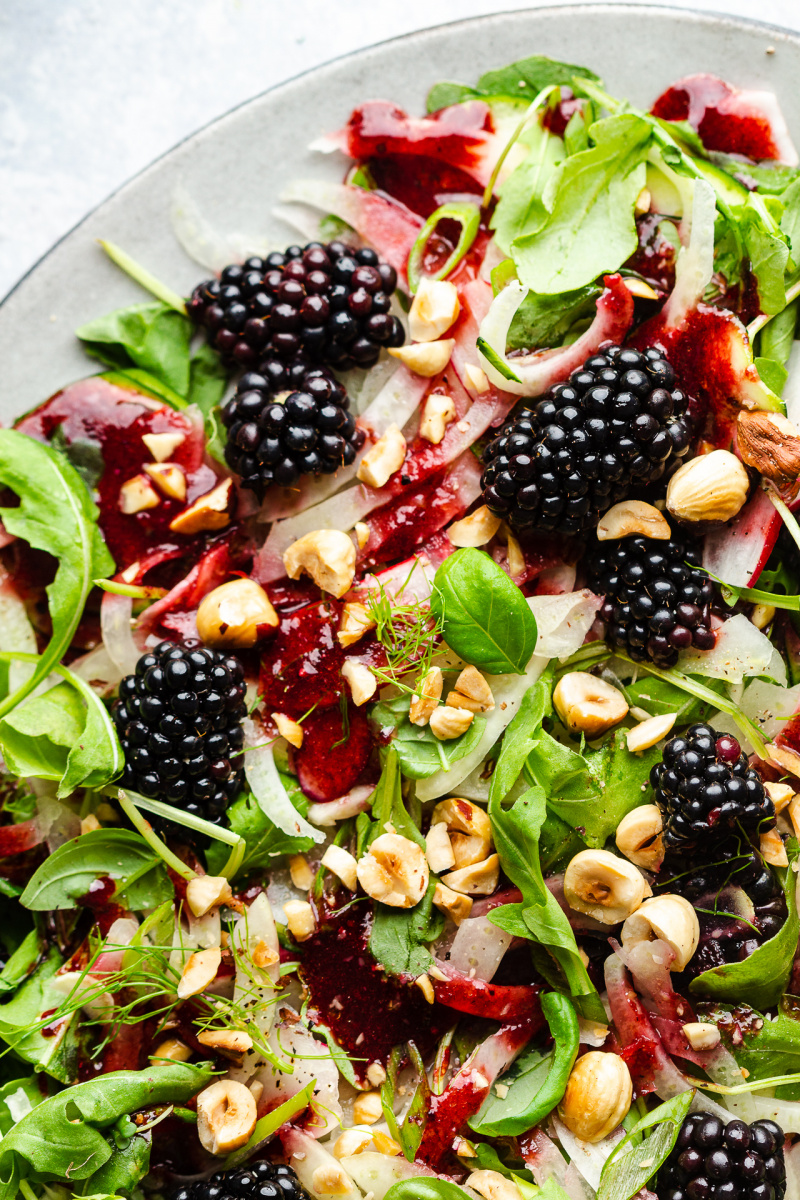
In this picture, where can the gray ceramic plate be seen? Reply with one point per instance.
(236, 167)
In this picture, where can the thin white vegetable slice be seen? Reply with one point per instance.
(265, 784)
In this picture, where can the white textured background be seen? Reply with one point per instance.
(91, 91)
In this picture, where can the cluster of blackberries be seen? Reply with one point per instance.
(274, 437)
(712, 1161)
(617, 424)
(657, 597)
(324, 303)
(257, 1181)
(705, 788)
(179, 719)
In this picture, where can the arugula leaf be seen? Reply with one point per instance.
(21, 963)
(767, 248)
(523, 79)
(118, 854)
(265, 842)
(85, 455)
(590, 198)
(770, 370)
(423, 1187)
(521, 208)
(127, 1166)
(18, 1097)
(545, 320)
(152, 336)
(21, 1024)
(765, 1052)
(760, 979)
(634, 1161)
(419, 752)
(399, 937)
(485, 617)
(56, 514)
(63, 1138)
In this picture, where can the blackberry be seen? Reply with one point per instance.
(318, 303)
(712, 1161)
(618, 423)
(657, 597)
(179, 719)
(259, 1180)
(274, 440)
(704, 786)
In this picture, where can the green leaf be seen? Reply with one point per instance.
(56, 514)
(772, 372)
(265, 842)
(85, 455)
(144, 383)
(537, 1081)
(765, 1052)
(21, 963)
(760, 979)
(419, 752)
(63, 1137)
(521, 736)
(543, 321)
(633, 1162)
(18, 1097)
(490, 1160)
(766, 247)
(521, 208)
(522, 80)
(425, 1188)
(486, 619)
(152, 336)
(21, 1024)
(270, 1123)
(399, 935)
(127, 1166)
(208, 378)
(118, 854)
(590, 198)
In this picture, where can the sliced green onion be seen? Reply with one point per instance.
(144, 277)
(189, 821)
(136, 591)
(499, 364)
(469, 218)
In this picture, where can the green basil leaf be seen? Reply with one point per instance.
(425, 1188)
(151, 336)
(419, 752)
(63, 1137)
(759, 980)
(633, 1162)
(399, 935)
(118, 854)
(207, 378)
(485, 616)
(56, 514)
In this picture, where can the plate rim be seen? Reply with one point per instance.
(727, 20)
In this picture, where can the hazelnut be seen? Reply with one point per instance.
(300, 872)
(433, 310)
(701, 1036)
(598, 1095)
(667, 918)
(710, 488)
(603, 886)
(515, 558)
(475, 379)
(650, 732)
(475, 530)
(330, 1180)
(383, 459)
(289, 729)
(772, 849)
(211, 511)
(480, 879)
(89, 823)
(770, 443)
(226, 1116)
(437, 414)
(425, 700)
(264, 956)
(367, 1108)
(232, 1043)
(455, 905)
(363, 683)
(168, 478)
(640, 836)
(638, 287)
(425, 358)
(136, 495)
(200, 971)
(235, 614)
(328, 556)
(356, 621)
(448, 722)
(205, 892)
(394, 871)
(426, 987)
(299, 919)
(587, 704)
(633, 518)
(491, 1185)
(376, 1074)
(172, 1049)
(362, 533)
(352, 1141)
(342, 864)
(762, 615)
(780, 794)
(439, 849)
(162, 445)
(468, 828)
(472, 692)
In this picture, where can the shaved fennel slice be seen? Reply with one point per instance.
(207, 245)
(265, 784)
(695, 264)
(563, 621)
(767, 705)
(588, 1157)
(375, 1173)
(116, 613)
(478, 948)
(508, 691)
(310, 1060)
(740, 651)
(256, 988)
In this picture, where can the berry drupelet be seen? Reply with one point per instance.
(274, 437)
(705, 789)
(713, 1161)
(257, 1181)
(657, 597)
(179, 719)
(617, 424)
(321, 303)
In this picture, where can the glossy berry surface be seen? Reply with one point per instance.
(617, 424)
(311, 304)
(657, 597)
(257, 1181)
(705, 789)
(716, 1161)
(275, 435)
(179, 719)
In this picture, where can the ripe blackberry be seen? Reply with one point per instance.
(257, 1181)
(704, 786)
(307, 432)
(712, 1161)
(615, 425)
(657, 596)
(179, 719)
(321, 303)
